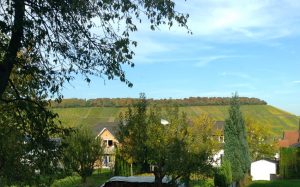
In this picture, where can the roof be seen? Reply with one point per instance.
(267, 160)
(289, 138)
(136, 179)
(112, 127)
(295, 145)
(219, 125)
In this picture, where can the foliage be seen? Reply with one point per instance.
(82, 151)
(171, 148)
(28, 154)
(126, 102)
(131, 137)
(236, 149)
(223, 175)
(261, 141)
(46, 30)
(275, 183)
(95, 180)
(39, 52)
(121, 168)
(289, 163)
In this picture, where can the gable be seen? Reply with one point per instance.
(105, 134)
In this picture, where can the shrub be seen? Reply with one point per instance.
(289, 165)
(223, 176)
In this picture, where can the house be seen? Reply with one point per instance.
(290, 138)
(219, 136)
(263, 169)
(108, 136)
(217, 158)
(219, 129)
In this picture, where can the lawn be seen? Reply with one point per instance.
(96, 180)
(276, 183)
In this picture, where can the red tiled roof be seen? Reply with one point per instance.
(290, 138)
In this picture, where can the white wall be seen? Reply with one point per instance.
(217, 158)
(261, 169)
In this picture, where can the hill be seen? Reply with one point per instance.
(264, 114)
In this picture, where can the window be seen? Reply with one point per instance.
(109, 143)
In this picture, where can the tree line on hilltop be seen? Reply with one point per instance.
(126, 102)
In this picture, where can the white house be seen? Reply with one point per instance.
(217, 158)
(262, 169)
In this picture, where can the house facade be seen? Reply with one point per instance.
(108, 136)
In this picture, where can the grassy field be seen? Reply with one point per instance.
(277, 183)
(96, 180)
(264, 114)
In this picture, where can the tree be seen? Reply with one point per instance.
(46, 30)
(261, 141)
(223, 176)
(171, 147)
(29, 125)
(82, 151)
(195, 148)
(130, 135)
(44, 43)
(236, 149)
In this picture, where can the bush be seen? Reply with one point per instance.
(289, 165)
(223, 176)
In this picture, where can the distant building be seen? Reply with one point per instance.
(108, 135)
(289, 138)
(219, 129)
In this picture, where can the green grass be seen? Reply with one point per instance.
(278, 119)
(202, 183)
(276, 183)
(96, 180)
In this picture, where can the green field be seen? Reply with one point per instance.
(264, 114)
(276, 183)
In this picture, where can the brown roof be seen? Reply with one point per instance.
(219, 125)
(112, 127)
(289, 138)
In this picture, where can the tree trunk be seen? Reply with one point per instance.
(83, 180)
(158, 179)
(10, 56)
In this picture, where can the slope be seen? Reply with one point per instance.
(278, 119)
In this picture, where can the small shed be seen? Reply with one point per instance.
(262, 169)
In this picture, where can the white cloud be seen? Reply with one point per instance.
(237, 20)
(296, 82)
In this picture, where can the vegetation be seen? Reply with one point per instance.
(223, 175)
(81, 152)
(275, 118)
(27, 127)
(276, 183)
(236, 149)
(261, 141)
(45, 31)
(169, 146)
(289, 163)
(39, 52)
(95, 180)
(126, 102)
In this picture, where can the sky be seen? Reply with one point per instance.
(249, 47)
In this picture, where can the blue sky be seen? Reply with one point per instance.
(249, 47)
